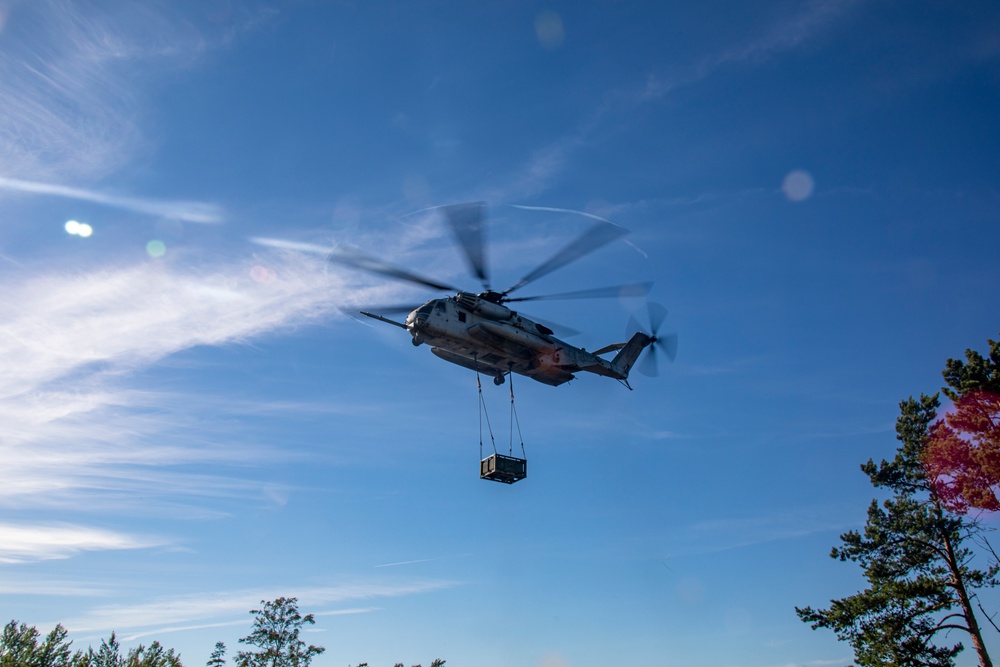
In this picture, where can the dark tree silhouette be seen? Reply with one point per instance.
(276, 628)
(916, 557)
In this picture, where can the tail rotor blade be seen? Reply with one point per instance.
(657, 313)
(669, 343)
(649, 365)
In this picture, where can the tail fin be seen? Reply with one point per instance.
(623, 361)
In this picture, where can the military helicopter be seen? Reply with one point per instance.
(480, 332)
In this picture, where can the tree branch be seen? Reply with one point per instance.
(988, 617)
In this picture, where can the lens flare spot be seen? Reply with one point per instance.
(549, 30)
(77, 228)
(262, 274)
(798, 185)
(156, 248)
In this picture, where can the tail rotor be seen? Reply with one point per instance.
(649, 365)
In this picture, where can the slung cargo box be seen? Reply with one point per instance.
(500, 468)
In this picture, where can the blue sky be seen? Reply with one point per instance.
(191, 424)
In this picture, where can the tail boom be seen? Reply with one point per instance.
(619, 367)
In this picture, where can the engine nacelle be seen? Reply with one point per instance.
(493, 311)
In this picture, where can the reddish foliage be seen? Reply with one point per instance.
(962, 457)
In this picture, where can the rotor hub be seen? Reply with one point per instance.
(492, 297)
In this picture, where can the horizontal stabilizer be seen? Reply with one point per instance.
(610, 348)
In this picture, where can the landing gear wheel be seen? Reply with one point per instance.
(498, 380)
(418, 340)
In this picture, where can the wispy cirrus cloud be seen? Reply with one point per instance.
(66, 107)
(52, 587)
(20, 542)
(188, 211)
(788, 32)
(423, 560)
(210, 609)
(735, 532)
(56, 324)
(70, 106)
(73, 427)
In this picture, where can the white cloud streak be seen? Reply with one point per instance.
(786, 34)
(70, 103)
(188, 211)
(21, 543)
(56, 588)
(423, 560)
(204, 607)
(718, 535)
(66, 106)
(57, 324)
(67, 345)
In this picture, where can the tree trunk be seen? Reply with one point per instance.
(963, 598)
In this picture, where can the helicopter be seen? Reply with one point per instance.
(478, 331)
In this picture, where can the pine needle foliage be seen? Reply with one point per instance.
(276, 629)
(22, 646)
(916, 556)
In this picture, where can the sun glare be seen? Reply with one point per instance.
(77, 228)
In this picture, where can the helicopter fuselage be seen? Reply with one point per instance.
(475, 332)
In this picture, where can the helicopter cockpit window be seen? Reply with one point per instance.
(425, 309)
(439, 306)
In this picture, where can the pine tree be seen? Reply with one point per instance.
(218, 657)
(152, 656)
(109, 655)
(915, 557)
(276, 629)
(19, 645)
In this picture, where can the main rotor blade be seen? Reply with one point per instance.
(560, 330)
(599, 235)
(468, 223)
(393, 309)
(631, 289)
(356, 260)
